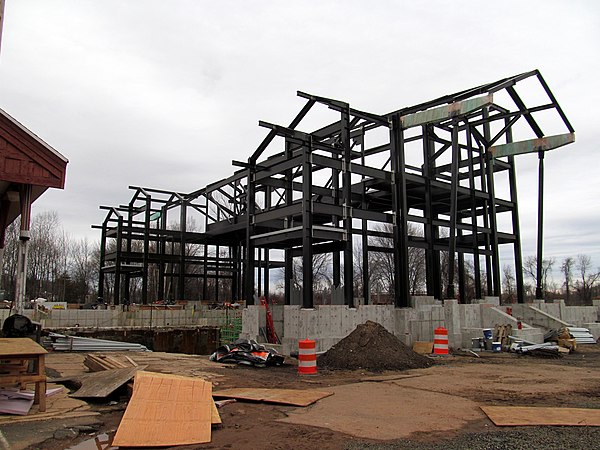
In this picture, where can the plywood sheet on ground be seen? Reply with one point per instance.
(423, 348)
(166, 411)
(386, 411)
(215, 416)
(294, 397)
(504, 416)
(102, 384)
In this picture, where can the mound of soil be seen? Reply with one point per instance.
(371, 347)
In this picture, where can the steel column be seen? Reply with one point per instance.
(400, 209)
(307, 240)
(453, 214)
(539, 294)
(347, 186)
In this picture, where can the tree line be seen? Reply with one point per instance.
(61, 268)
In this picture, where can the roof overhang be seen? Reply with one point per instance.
(25, 159)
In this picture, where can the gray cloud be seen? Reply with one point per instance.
(166, 94)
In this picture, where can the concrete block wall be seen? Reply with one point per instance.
(539, 316)
(574, 315)
(329, 324)
(101, 318)
(578, 315)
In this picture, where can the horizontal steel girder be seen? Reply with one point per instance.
(532, 145)
(445, 112)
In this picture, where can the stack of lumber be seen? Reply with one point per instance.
(97, 363)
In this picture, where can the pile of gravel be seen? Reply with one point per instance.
(521, 438)
(371, 347)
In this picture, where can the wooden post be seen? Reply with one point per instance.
(20, 288)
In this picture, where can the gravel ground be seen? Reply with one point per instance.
(547, 438)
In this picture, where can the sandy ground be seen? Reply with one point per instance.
(425, 406)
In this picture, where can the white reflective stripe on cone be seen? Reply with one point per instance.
(306, 351)
(307, 363)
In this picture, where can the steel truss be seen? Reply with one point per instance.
(326, 190)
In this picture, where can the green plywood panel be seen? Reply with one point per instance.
(445, 112)
(532, 145)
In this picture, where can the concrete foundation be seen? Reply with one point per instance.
(329, 324)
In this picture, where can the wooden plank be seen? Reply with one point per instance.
(112, 362)
(294, 397)
(20, 346)
(133, 363)
(215, 416)
(166, 411)
(384, 378)
(93, 364)
(423, 348)
(512, 416)
(102, 384)
(47, 416)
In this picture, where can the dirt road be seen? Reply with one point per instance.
(437, 407)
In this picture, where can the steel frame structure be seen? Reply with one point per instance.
(326, 189)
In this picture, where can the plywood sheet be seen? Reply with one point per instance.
(166, 411)
(102, 384)
(20, 346)
(503, 416)
(423, 348)
(215, 416)
(294, 397)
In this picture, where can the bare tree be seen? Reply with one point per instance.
(321, 271)
(587, 279)
(567, 269)
(530, 270)
(508, 284)
(84, 272)
(382, 263)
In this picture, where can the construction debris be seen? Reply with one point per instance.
(247, 352)
(60, 342)
(15, 401)
(98, 363)
(371, 347)
(545, 350)
(221, 403)
(99, 384)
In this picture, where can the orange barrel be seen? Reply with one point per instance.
(440, 341)
(307, 357)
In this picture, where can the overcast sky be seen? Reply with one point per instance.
(165, 94)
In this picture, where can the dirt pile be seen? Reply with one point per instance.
(371, 347)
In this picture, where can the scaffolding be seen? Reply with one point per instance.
(435, 167)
